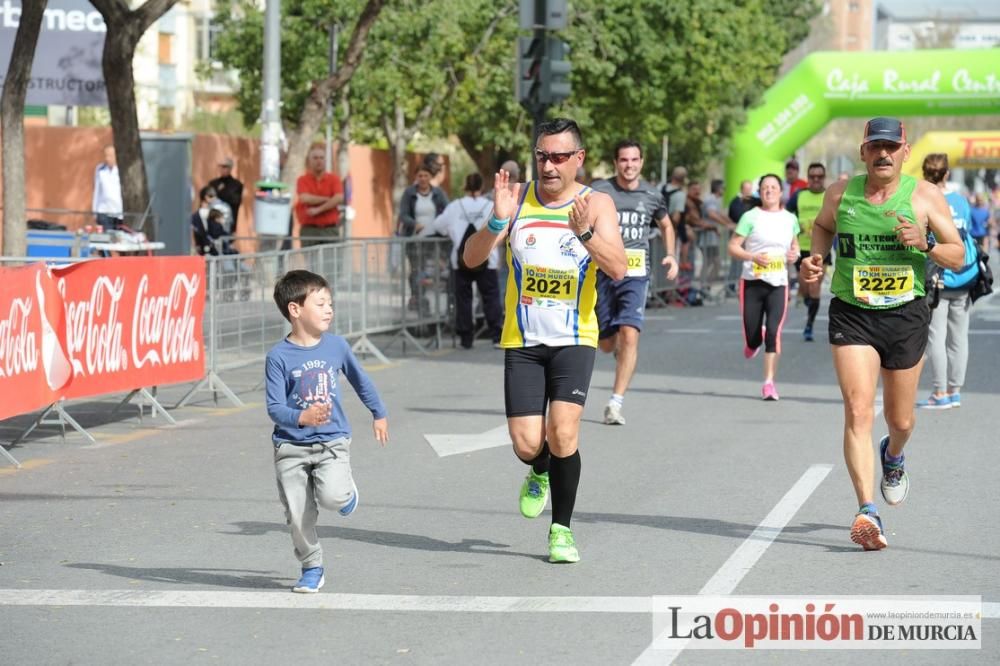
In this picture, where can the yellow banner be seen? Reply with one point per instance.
(965, 150)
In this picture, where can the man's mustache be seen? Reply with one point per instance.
(883, 161)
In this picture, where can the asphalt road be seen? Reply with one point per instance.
(166, 544)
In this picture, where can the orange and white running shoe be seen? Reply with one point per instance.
(867, 531)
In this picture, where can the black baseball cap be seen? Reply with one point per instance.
(884, 129)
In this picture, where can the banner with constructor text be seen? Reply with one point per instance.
(99, 327)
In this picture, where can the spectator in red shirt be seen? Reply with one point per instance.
(319, 195)
(792, 182)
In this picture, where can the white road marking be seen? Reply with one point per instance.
(321, 601)
(281, 599)
(450, 445)
(745, 557)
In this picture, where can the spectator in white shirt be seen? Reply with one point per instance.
(473, 210)
(107, 201)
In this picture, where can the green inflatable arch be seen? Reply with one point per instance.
(825, 86)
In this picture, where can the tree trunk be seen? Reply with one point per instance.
(314, 110)
(485, 160)
(119, 49)
(12, 128)
(398, 137)
(125, 29)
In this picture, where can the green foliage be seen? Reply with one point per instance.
(641, 68)
(216, 122)
(304, 49)
(644, 69)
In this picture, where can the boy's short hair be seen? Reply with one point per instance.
(295, 287)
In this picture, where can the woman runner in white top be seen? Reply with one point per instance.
(765, 240)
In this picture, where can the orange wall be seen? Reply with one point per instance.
(60, 161)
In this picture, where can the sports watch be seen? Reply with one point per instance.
(586, 235)
(931, 243)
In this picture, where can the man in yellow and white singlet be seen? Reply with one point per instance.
(887, 226)
(558, 232)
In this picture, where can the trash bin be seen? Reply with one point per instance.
(272, 212)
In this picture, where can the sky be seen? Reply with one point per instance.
(977, 8)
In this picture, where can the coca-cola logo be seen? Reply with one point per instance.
(18, 344)
(93, 329)
(163, 327)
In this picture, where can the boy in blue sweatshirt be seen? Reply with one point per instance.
(312, 438)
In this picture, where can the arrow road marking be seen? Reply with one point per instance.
(450, 445)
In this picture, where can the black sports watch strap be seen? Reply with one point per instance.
(586, 235)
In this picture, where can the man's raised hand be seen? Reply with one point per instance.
(504, 197)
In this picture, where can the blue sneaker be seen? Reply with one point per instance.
(866, 531)
(351, 505)
(935, 402)
(955, 398)
(807, 333)
(311, 581)
(895, 482)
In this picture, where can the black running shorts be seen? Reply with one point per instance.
(899, 335)
(534, 376)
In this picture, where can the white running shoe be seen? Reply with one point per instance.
(613, 415)
(895, 484)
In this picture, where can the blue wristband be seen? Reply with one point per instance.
(496, 226)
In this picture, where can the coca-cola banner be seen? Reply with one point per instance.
(24, 365)
(99, 327)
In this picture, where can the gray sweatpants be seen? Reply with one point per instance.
(310, 476)
(948, 342)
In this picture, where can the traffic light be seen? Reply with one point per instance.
(543, 68)
(530, 54)
(555, 84)
(543, 14)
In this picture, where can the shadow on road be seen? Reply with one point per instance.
(185, 576)
(393, 539)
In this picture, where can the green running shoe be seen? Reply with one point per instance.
(534, 494)
(562, 546)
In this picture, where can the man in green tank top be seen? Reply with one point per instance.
(806, 205)
(887, 225)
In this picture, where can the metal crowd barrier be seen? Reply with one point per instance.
(694, 284)
(395, 288)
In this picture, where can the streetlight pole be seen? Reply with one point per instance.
(334, 32)
(271, 134)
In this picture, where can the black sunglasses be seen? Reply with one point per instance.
(555, 158)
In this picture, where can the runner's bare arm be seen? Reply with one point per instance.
(793, 251)
(736, 249)
(596, 212)
(505, 199)
(669, 244)
(824, 229)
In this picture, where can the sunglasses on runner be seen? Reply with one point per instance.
(555, 158)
